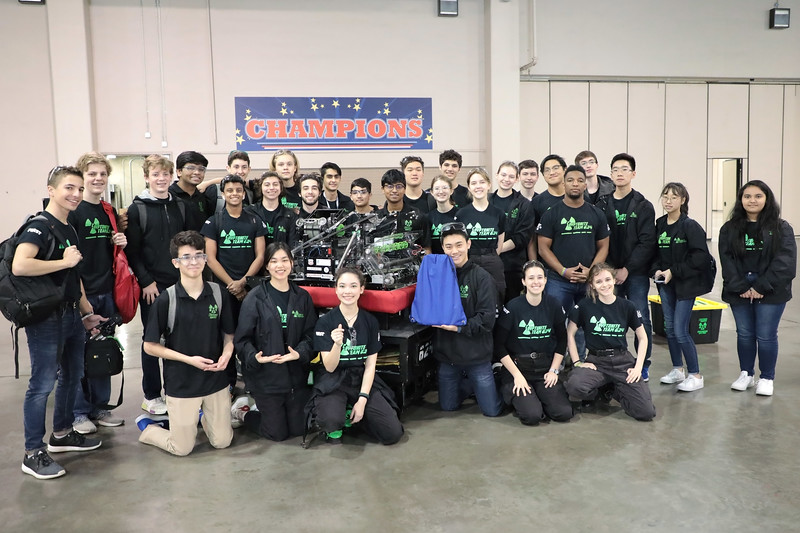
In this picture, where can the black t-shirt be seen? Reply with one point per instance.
(753, 247)
(503, 204)
(605, 325)
(360, 341)
(269, 218)
(617, 226)
(341, 202)
(574, 231)
(421, 204)
(410, 220)
(199, 330)
(461, 196)
(483, 227)
(198, 205)
(281, 299)
(665, 241)
(525, 328)
(437, 219)
(94, 241)
(37, 234)
(236, 248)
(542, 202)
(291, 197)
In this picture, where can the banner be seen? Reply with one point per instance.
(327, 123)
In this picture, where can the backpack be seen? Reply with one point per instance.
(708, 274)
(126, 290)
(437, 300)
(142, 208)
(26, 300)
(172, 309)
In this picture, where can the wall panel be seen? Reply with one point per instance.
(569, 118)
(685, 143)
(535, 122)
(608, 124)
(646, 137)
(790, 190)
(766, 135)
(727, 120)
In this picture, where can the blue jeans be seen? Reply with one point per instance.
(99, 388)
(151, 369)
(757, 331)
(677, 317)
(569, 294)
(635, 289)
(454, 387)
(43, 341)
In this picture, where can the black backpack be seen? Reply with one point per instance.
(26, 300)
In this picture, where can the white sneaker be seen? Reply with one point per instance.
(83, 425)
(675, 375)
(744, 382)
(156, 406)
(239, 409)
(691, 383)
(107, 419)
(764, 387)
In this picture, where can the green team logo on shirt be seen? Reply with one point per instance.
(408, 224)
(476, 230)
(750, 243)
(297, 314)
(436, 229)
(575, 227)
(288, 204)
(622, 218)
(514, 213)
(270, 230)
(352, 349)
(664, 240)
(213, 311)
(231, 240)
(281, 314)
(606, 329)
(464, 290)
(62, 247)
(532, 331)
(96, 229)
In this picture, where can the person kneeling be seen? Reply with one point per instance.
(605, 319)
(348, 340)
(197, 347)
(530, 339)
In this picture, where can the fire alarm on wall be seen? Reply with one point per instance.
(779, 18)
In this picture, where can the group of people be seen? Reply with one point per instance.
(548, 282)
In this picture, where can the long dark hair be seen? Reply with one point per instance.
(768, 220)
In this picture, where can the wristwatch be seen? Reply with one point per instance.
(555, 371)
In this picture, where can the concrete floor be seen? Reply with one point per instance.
(712, 460)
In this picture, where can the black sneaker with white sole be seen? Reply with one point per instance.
(41, 466)
(72, 442)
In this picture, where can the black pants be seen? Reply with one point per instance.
(380, 419)
(494, 266)
(279, 416)
(634, 397)
(551, 401)
(230, 370)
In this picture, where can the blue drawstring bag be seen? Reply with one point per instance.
(437, 300)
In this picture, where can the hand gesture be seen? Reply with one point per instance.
(634, 375)
(150, 293)
(291, 356)
(521, 387)
(119, 239)
(202, 363)
(72, 256)
(337, 335)
(261, 358)
(550, 380)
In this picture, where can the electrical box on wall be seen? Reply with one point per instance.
(448, 8)
(779, 18)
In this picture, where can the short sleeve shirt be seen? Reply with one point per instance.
(483, 227)
(236, 249)
(532, 328)
(360, 341)
(94, 241)
(605, 325)
(574, 232)
(437, 219)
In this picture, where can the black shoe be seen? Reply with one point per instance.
(72, 442)
(41, 466)
(606, 393)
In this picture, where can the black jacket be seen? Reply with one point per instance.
(637, 248)
(605, 186)
(148, 246)
(690, 257)
(775, 270)
(473, 344)
(519, 229)
(285, 224)
(259, 330)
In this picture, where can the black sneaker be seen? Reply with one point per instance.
(72, 442)
(41, 466)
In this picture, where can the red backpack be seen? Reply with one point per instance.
(126, 289)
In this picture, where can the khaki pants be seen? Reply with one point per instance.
(183, 413)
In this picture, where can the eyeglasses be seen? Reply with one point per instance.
(187, 259)
(620, 170)
(358, 192)
(395, 187)
(192, 168)
(53, 172)
(554, 168)
(410, 159)
(443, 188)
(588, 162)
(454, 226)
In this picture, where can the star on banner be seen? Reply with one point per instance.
(429, 138)
(335, 103)
(239, 139)
(358, 100)
(386, 111)
(313, 100)
(283, 111)
(314, 107)
(238, 132)
(357, 107)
